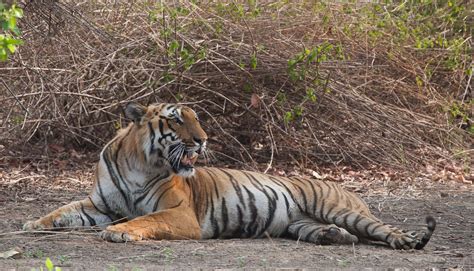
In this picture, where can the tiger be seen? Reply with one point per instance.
(147, 187)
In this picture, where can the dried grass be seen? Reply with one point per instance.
(83, 62)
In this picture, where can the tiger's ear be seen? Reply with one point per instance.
(135, 112)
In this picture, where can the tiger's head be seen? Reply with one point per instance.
(169, 135)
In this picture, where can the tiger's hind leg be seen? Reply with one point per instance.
(310, 230)
(370, 228)
(75, 214)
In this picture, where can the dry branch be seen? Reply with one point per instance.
(82, 62)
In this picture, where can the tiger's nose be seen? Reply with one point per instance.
(201, 142)
(197, 140)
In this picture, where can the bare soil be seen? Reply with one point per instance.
(26, 196)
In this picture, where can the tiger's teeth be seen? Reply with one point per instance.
(188, 157)
(185, 160)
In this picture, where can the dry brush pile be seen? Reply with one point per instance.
(277, 82)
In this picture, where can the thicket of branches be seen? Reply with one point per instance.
(309, 84)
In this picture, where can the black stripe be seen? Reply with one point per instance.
(162, 132)
(91, 220)
(152, 136)
(303, 195)
(225, 216)
(82, 220)
(169, 125)
(239, 231)
(343, 212)
(101, 195)
(356, 222)
(366, 228)
(177, 205)
(145, 191)
(375, 228)
(155, 191)
(273, 191)
(315, 197)
(214, 223)
(275, 180)
(344, 220)
(236, 186)
(287, 203)
(328, 213)
(112, 174)
(253, 180)
(155, 206)
(297, 232)
(310, 233)
(115, 157)
(271, 202)
(98, 210)
(213, 179)
(272, 206)
(321, 210)
(253, 225)
(161, 127)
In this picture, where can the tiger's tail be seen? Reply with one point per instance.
(431, 225)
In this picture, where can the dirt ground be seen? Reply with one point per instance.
(26, 196)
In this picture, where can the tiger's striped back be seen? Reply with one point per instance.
(249, 204)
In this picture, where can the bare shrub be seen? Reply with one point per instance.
(277, 82)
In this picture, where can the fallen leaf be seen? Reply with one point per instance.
(56, 148)
(14, 253)
(314, 174)
(255, 101)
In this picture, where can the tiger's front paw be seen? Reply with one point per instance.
(335, 235)
(119, 234)
(33, 226)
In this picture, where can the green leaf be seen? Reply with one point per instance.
(174, 45)
(49, 264)
(11, 48)
(13, 41)
(17, 12)
(253, 61)
(12, 23)
(291, 63)
(16, 30)
(3, 54)
(4, 25)
(469, 72)
(288, 117)
(471, 129)
(310, 95)
(312, 55)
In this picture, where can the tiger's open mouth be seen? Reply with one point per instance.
(188, 159)
(182, 158)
